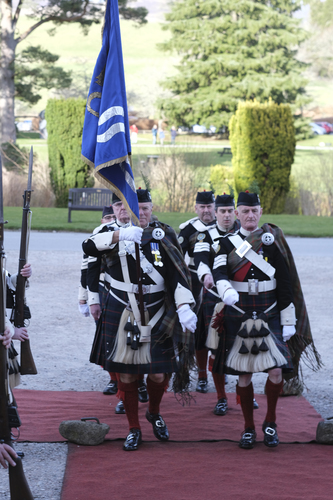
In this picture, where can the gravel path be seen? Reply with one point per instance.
(61, 339)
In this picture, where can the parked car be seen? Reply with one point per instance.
(25, 126)
(327, 126)
(199, 129)
(317, 129)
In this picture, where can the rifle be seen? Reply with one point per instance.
(19, 488)
(21, 311)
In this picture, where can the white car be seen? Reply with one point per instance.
(317, 129)
(24, 126)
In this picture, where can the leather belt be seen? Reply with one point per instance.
(132, 287)
(263, 286)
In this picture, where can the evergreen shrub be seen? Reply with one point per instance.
(262, 138)
(64, 126)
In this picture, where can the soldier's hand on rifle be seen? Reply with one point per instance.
(95, 311)
(132, 233)
(21, 334)
(26, 270)
(208, 281)
(6, 338)
(187, 318)
(6, 454)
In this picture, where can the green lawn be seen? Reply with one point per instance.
(55, 219)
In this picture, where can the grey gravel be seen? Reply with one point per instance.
(61, 340)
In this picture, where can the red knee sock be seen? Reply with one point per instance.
(113, 376)
(141, 376)
(211, 363)
(131, 402)
(220, 386)
(201, 357)
(272, 392)
(246, 400)
(156, 391)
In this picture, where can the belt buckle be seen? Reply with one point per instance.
(253, 287)
(145, 289)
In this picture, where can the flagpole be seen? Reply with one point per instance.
(139, 277)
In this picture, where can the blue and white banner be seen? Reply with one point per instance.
(106, 141)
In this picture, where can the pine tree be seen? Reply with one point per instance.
(232, 51)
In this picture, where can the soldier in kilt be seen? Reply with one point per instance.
(206, 247)
(189, 230)
(121, 343)
(254, 281)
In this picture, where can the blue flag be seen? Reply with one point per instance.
(106, 141)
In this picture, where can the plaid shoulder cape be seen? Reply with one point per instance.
(183, 341)
(301, 345)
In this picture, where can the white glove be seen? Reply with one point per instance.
(132, 233)
(84, 309)
(230, 297)
(287, 332)
(187, 318)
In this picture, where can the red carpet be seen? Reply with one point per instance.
(42, 411)
(191, 466)
(198, 471)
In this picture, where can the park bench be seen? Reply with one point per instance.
(225, 151)
(88, 199)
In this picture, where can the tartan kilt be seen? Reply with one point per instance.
(208, 303)
(232, 323)
(162, 353)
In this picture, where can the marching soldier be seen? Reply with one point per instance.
(127, 343)
(206, 247)
(205, 209)
(256, 279)
(97, 288)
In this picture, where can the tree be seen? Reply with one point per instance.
(232, 51)
(56, 12)
(262, 139)
(321, 12)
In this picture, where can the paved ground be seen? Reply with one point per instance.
(61, 338)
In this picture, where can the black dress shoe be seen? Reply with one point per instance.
(142, 392)
(111, 388)
(133, 440)
(255, 404)
(120, 408)
(202, 385)
(159, 426)
(271, 438)
(248, 439)
(221, 407)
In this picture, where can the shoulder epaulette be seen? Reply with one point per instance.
(190, 221)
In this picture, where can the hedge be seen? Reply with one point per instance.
(64, 126)
(262, 138)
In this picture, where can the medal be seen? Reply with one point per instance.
(180, 240)
(267, 239)
(157, 254)
(158, 233)
(201, 236)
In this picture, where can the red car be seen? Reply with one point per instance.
(327, 126)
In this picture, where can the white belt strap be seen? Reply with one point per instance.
(132, 288)
(263, 286)
(214, 234)
(253, 257)
(131, 295)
